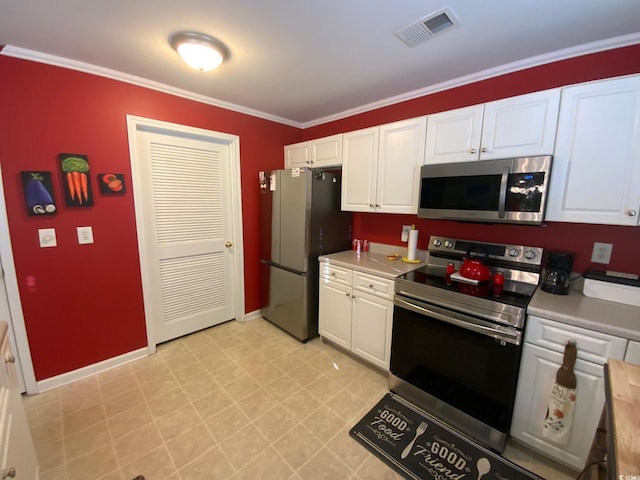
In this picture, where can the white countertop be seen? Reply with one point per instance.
(371, 263)
(577, 309)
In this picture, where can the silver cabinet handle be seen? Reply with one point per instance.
(353, 296)
(484, 150)
(372, 205)
(473, 150)
(11, 359)
(377, 206)
(347, 294)
(632, 213)
(10, 473)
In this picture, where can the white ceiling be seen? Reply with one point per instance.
(303, 61)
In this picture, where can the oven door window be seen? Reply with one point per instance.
(467, 370)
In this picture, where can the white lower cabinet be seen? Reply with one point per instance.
(356, 313)
(541, 358)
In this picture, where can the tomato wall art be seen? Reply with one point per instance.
(38, 192)
(77, 188)
(111, 183)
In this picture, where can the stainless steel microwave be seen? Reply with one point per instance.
(508, 190)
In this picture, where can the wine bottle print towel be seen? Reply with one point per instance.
(559, 417)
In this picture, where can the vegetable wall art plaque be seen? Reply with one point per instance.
(111, 183)
(77, 188)
(38, 192)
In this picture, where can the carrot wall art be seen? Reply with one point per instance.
(38, 193)
(77, 187)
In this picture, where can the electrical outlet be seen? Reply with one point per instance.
(85, 235)
(601, 252)
(405, 233)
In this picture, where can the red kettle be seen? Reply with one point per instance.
(474, 268)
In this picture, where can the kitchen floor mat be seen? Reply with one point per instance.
(420, 447)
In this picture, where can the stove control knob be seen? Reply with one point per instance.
(437, 243)
(448, 244)
(529, 254)
(514, 252)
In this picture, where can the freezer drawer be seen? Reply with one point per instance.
(292, 302)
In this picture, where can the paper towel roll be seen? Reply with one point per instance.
(413, 244)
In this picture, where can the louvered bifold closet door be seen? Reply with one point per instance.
(191, 229)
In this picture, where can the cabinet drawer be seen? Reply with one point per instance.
(378, 286)
(335, 273)
(592, 346)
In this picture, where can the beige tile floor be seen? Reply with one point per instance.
(236, 401)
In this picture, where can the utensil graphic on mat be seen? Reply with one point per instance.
(419, 431)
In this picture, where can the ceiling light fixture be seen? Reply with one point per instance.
(199, 51)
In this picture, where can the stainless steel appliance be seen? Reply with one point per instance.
(456, 346)
(300, 219)
(510, 190)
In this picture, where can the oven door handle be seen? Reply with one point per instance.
(506, 334)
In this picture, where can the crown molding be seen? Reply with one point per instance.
(587, 48)
(54, 60)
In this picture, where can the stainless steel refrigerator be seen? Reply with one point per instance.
(300, 219)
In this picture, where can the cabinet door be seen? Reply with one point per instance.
(633, 353)
(520, 126)
(371, 330)
(297, 155)
(537, 375)
(401, 156)
(359, 169)
(454, 136)
(334, 312)
(595, 177)
(16, 444)
(326, 152)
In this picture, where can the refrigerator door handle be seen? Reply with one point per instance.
(282, 267)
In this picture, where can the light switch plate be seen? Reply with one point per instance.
(47, 237)
(85, 235)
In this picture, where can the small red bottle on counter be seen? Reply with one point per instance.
(498, 283)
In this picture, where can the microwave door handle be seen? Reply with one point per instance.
(502, 198)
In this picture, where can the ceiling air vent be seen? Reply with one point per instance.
(427, 27)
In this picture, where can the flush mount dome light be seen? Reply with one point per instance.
(199, 51)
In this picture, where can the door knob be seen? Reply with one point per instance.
(632, 213)
(10, 473)
(228, 244)
(10, 359)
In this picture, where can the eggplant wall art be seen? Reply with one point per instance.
(38, 192)
(77, 187)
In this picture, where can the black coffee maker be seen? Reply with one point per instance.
(557, 272)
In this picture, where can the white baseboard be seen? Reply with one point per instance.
(252, 315)
(75, 375)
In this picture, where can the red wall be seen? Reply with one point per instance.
(83, 303)
(578, 238)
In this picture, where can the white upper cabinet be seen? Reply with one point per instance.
(297, 155)
(381, 167)
(514, 127)
(319, 153)
(595, 177)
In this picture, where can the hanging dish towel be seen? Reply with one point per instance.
(559, 418)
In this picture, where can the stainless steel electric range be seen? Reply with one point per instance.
(456, 346)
